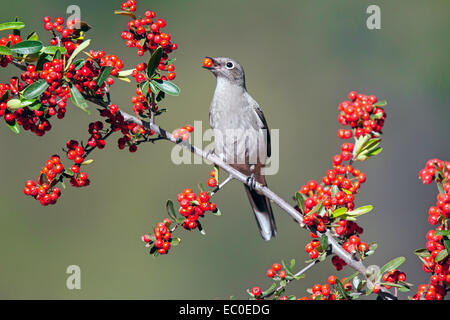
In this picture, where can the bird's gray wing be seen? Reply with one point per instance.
(255, 107)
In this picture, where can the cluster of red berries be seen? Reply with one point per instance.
(212, 182)
(13, 39)
(51, 102)
(57, 26)
(76, 153)
(393, 276)
(84, 78)
(311, 249)
(328, 290)
(354, 244)
(362, 114)
(133, 134)
(183, 133)
(161, 238)
(145, 35)
(193, 207)
(140, 102)
(43, 189)
(436, 258)
(96, 138)
(276, 271)
(129, 5)
(435, 170)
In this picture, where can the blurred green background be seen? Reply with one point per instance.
(301, 59)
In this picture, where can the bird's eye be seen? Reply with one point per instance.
(230, 65)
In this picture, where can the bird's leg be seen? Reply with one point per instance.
(251, 181)
(220, 186)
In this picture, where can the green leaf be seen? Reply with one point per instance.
(287, 268)
(14, 104)
(42, 60)
(12, 25)
(423, 252)
(105, 72)
(350, 277)
(87, 162)
(33, 36)
(54, 49)
(340, 288)
(27, 47)
(171, 210)
(78, 99)
(35, 89)
(391, 265)
(167, 87)
(334, 190)
(375, 151)
(360, 211)
(80, 48)
(442, 233)
(175, 241)
(300, 201)
(381, 103)
(14, 127)
(154, 61)
(5, 51)
(317, 208)
(125, 73)
(339, 212)
(324, 242)
(441, 255)
(270, 290)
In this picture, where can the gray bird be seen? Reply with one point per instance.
(241, 135)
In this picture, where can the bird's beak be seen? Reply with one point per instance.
(215, 65)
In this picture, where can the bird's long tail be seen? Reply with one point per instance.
(263, 214)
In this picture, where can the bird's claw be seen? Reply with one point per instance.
(251, 182)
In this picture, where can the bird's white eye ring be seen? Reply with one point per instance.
(229, 65)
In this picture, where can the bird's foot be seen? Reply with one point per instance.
(251, 182)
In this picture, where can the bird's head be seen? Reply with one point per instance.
(225, 68)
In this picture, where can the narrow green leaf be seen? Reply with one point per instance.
(175, 241)
(33, 36)
(125, 73)
(27, 47)
(339, 212)
(423, 252)
(14, 127)
(80, 48)
(442, 233)
(270, 290)
(35, 89)
(324, 242)
(14, 104)
(105, 72)
(12, 25)
(167, 87)
(78, 99)
(154, 61)
(391, 265)
(171, 210)
(360, 211)
(54, 49)
(5, 51)
(441, 255)
(300, 201)
(381, 103)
